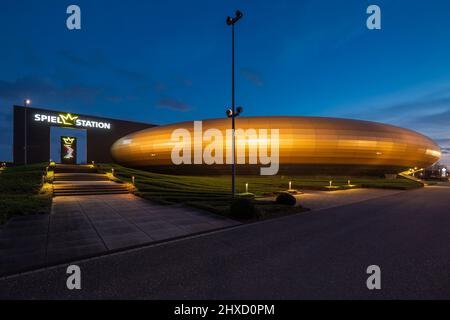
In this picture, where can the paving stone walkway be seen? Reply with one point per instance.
(82, 226)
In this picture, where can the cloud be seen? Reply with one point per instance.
(159, 87)
(426, 110)
(252, 76)
(98, 60)
(5, 117)
(130, 75)
(444, 141)
(24, 87)
(44, 89)
(173, 104)
(182, 81)
(437, 119)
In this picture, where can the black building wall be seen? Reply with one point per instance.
(99, 141)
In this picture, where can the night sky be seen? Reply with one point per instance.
(167, 61)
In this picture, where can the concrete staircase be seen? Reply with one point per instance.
(80, 177)
(73, 180)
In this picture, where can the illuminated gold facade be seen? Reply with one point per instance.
(312, 145)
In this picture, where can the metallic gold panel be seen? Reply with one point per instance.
(304, 141)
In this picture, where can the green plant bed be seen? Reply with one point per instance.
(21, 192)
(332, 188)
(246, 195)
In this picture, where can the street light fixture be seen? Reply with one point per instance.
(26, 103)
(233, 113)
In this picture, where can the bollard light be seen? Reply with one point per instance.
(331, 182)
(246, 188)
(112, 171)
(290, 185)
(132, 180)
(348, 182)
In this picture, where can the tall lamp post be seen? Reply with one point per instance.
(26, 103)
(233, 113)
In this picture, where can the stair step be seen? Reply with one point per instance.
(80, 177)
(100, 189)
(80, 193)
(70, 168)
(84, 179)
(90, 189)
(76, 186)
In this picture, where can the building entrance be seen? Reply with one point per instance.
(69, 150)
(68, 146)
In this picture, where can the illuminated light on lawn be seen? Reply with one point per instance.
(46, 187)
(290, 185)
(112, 171)
(246, 188)
(331, 183)
(132, 180)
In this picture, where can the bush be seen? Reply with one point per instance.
(286, 198)
(245, 209)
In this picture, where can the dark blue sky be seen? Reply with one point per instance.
(168, 61)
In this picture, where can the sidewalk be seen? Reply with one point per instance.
(83, 226)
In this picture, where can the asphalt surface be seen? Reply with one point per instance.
(320, 254)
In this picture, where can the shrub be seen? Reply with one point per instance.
(286, 198)
(245, 209)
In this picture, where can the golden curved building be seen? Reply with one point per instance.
(307, 145)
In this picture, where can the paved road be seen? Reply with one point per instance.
(320, 254)
(319, 200)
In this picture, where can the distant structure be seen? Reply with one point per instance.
(436, 172)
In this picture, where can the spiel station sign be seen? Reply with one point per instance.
(71, 120)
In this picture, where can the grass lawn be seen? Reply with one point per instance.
(21, 191)
(212, 192)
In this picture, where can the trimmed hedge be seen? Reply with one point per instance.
(286, 198)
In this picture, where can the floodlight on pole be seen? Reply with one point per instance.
(26, 104)
(231, 113)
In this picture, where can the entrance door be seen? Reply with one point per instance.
(68, 150)
(57, 147)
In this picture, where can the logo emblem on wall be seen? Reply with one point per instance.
(68, 140)
(68, 150)
(68, 119)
